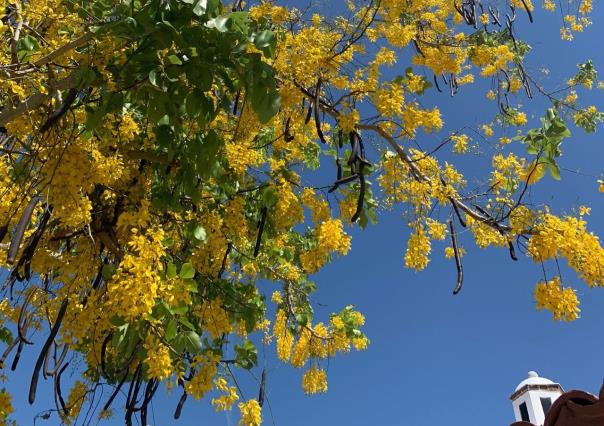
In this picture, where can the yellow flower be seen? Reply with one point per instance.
(549, 5)
(460, 143)
(519, 119)
(224, 402)
(159, 364)
(562, 302)
(251, 413)
(418, 250)
(314, 381)
(487, 130)
(6, 407)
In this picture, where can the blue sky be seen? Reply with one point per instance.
(435, 358)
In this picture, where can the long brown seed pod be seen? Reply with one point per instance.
(361, 199)
(115, 392)
(7, 351)
(29, 251)
(132, 395)
(262, 386)
(17, 357)
(436, 83)
(53, 333)
(340, 139)
(512, 251)
(3, 231)
(180, 405)
(236, 102)
(287, 133)
(458, 264)
(58, 362)
(61, 111)
(308, 114)
(58, 389)
(17, 238)
(23, 321)
(261, 225)
(104, 353)
(318, 112)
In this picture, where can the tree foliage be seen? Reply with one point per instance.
(153, 158)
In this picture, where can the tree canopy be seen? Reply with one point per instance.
(155, 158)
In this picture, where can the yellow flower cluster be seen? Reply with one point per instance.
(158, 362)
(460, 143)
(201, 383)
(215, 318)
(224, 402)
(569, 238)
(6, 406)
(251, 413)
(75, 400)
(491, 59)
(138, 276)
(418, 250)
(331, 238)
(314, 381)
(562, 302)
(283, 335)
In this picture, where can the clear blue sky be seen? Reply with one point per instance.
(436, 359)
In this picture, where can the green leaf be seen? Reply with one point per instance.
(108, 271)
(171, 329)
(186, 323)
(235, 21)
(153, 78)
(85, 76)
(171, 270)
(200, 233)
(188, 341)
(5, 335)
(180, 310)
(200, 7)
(187, 271)
(554, 170)
(246, 355)
(174, 60)
(267, 42)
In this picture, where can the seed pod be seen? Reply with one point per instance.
(58, 389)
(61, 111)
(308, 114)
(13, 366)
(287, 135)
(3, 231)
(15, 242)
(318, 112)
(458, 264)
(53, 333)
(361, 198)
(181, 403)
(512, 251)
(115, 392)
(262, 386)
(261, 225)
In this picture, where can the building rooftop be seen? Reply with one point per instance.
(534, 379)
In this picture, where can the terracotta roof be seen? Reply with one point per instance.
(574, 408)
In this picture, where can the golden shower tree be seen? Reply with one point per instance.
(153, 158)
